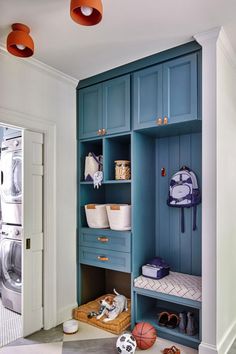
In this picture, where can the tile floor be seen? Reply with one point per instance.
(10, 325)
(88, 340)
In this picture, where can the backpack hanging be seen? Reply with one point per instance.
(184, 193)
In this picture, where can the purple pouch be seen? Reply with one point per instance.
(156, 268)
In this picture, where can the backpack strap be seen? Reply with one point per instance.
(195, 217)
(182, 221)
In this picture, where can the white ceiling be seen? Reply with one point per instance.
(130, 29)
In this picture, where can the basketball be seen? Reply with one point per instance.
(145, 335)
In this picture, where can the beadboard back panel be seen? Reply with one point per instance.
(181, 250)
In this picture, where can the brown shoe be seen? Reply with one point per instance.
(172, 350)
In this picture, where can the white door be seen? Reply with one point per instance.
(32, 270)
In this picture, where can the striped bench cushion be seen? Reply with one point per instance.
(177, 284)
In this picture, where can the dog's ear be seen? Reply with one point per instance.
(109, 300)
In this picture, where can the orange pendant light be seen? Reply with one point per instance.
(19, 42)
(86, 12)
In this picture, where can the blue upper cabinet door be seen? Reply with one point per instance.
(147, 97)
(116, 105)
(180, 84)
(90, 111)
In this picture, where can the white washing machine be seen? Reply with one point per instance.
(10, 258)
(11, 181)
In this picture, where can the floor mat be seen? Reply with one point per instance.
(10, 325)
(98, 346)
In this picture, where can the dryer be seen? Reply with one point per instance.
(11, 181)
(10, 258)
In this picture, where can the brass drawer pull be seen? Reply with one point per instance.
(103, 239)
(103, 258)
(159, 121)
(165, 120)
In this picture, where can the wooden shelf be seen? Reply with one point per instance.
(120, 181)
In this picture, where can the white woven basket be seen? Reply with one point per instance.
(96, 216)
(119, 216)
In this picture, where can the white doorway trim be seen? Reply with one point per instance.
(48, 128)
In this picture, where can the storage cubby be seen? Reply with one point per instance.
(116, 148)
(106, 194)
(165, 135)
(148, 309)
(95, 146)
(98, 281)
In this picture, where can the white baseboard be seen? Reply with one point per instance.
(65, 313)
(205, 348)
(228, 339)
(224, 345)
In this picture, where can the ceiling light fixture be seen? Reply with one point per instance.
(19, 42)
(86, 12)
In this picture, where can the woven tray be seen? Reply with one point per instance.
(117, 326)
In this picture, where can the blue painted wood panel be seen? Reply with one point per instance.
(147, 97)
(90, 111)
(181, 250)
(106, 239)
(105, 259)
(116, 105)
(143, 200)
(180, 85)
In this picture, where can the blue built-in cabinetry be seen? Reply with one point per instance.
(166, 93)
(148, 112)
(105, 108)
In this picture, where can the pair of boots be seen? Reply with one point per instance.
(188, 323)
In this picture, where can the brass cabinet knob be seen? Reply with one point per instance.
(100, 132)
(165, 121)
(103, 239)
(103, 131)
(159, 121)
(103, 258)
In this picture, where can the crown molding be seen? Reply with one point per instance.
(210, 35)
(227, 48)
(41, 67)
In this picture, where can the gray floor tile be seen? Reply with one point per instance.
(95, 346)
(51, 336)
(233, 349)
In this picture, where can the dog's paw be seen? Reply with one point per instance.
(106, 320)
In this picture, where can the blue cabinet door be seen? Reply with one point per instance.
(180, 100)
(147, 97)
(90, 111)
(116, 105)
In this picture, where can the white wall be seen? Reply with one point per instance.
(226, 194)
(48, 96)
(219, 175)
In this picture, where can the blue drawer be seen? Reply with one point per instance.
(106, 239)
(105, 259)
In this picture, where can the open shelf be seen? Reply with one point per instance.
(148, 310)
(98, 281)
(116, 148)
(114, 193)
(95, 146)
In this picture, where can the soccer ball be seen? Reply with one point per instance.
(126, 344)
